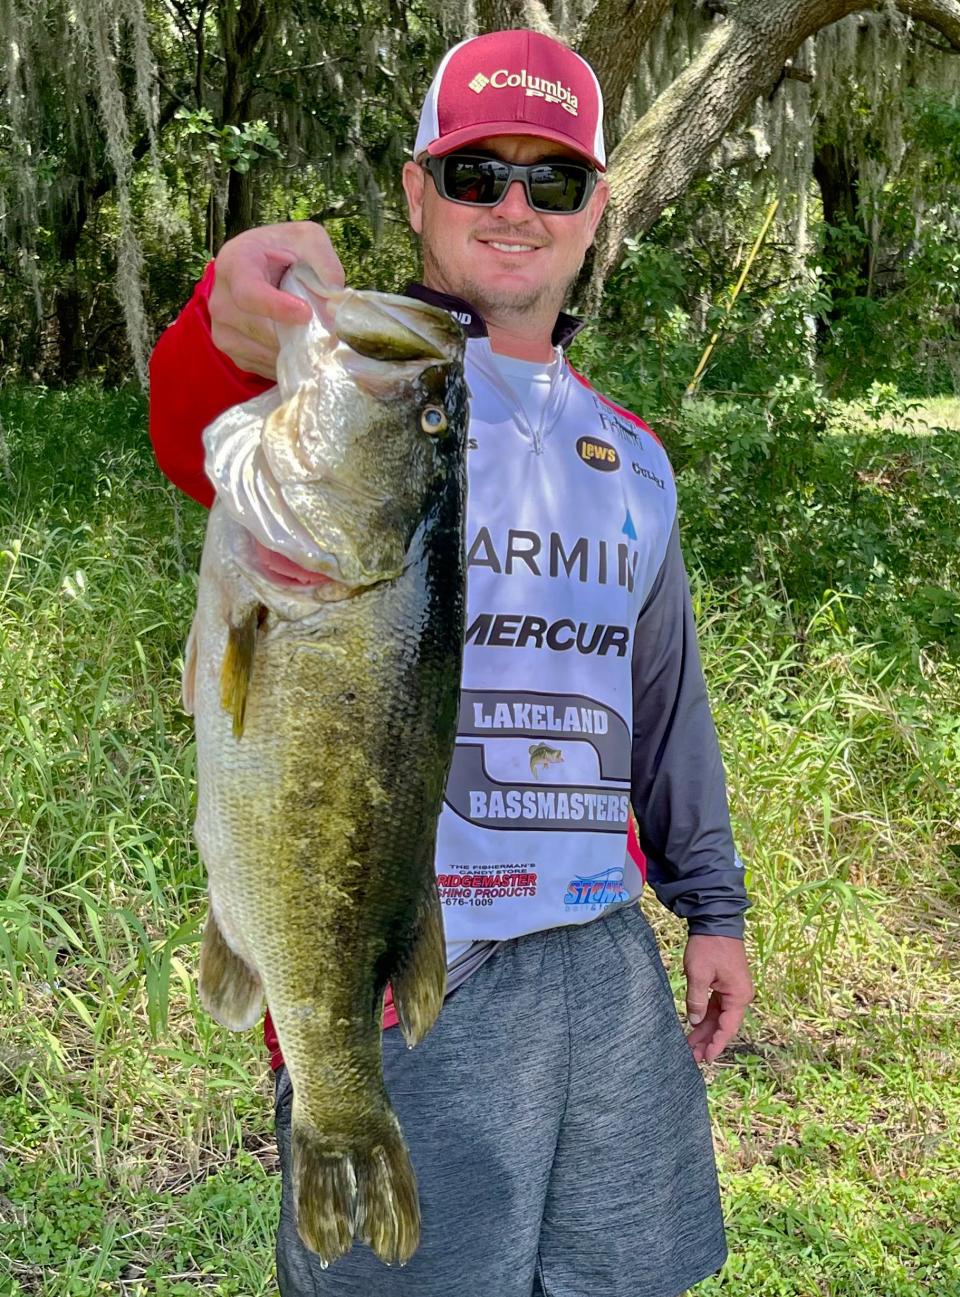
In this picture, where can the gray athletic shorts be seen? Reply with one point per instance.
(558, 1128)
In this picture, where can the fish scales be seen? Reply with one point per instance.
(325, 711)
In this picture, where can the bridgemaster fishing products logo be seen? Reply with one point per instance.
(596, 891)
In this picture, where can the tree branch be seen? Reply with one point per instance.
(501, 15)
(740, 59)
(107, 181)
(611, 39)
(942, 15)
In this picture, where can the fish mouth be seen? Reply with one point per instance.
(379, 326)
(276, 567)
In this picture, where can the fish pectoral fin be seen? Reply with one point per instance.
(188, 685)
(230, 990)
(238, 666)
(419, 982)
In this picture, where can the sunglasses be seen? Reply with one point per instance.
(478, 181)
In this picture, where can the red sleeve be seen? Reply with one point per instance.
(191, 382)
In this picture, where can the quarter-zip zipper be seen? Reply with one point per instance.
(480, 353)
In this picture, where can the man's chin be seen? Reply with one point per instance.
(498, 298)
(493, 300)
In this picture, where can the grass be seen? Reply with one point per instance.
(136, 1153)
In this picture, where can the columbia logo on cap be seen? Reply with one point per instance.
(553, 91)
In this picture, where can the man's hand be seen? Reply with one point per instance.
(246, 303)
(719, 988)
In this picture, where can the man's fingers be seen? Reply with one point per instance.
(708, 1040)
(719, 963)
(698, 998)
(245, 352)
(715, 1047)
(308, 241)
(246, 301)
(243, 331)
(703, 1032)
(728, 1024)
(257, 298)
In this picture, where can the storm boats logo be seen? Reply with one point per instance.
(595, 891)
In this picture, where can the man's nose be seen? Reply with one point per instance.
(514, 205)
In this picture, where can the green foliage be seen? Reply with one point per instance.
(876, 300)
(791, 494)
(135, 1145)
(891, 267)
(256, 110)
(231, 147)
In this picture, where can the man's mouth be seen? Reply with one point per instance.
(503, 245)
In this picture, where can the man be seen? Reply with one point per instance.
(555, 1114)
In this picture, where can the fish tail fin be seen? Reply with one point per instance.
(388, 1207)
(230, 990)
(370, 1192)
(419, 983)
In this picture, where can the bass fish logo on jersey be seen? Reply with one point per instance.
(598, 454)
(541, 756)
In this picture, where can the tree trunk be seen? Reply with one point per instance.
(92, 184)
(67, 299)
(844, 262)
(239, 211)
(741, 59)
(501, 15)
(245, 27)
(615, 60)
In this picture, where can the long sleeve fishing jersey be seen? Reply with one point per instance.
(582, 694)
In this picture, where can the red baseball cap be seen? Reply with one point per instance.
(513, 83)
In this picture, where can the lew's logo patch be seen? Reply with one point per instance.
(598, 454)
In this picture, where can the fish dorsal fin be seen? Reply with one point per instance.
(420, 982)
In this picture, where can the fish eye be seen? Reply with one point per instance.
(433, 420)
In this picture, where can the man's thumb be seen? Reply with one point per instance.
(698, 997)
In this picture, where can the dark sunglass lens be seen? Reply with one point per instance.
(474, 180)
(555, 187)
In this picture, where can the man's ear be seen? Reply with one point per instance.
(414, 177)
(598, 202)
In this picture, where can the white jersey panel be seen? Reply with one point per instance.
(567, 528)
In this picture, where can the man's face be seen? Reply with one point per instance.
(509, 261)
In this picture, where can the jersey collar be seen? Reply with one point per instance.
(564, 331)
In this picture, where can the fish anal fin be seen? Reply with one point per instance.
(238, 666)
(419, 982)
(230, 990)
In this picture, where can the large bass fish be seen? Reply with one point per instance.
(323, 670)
